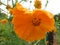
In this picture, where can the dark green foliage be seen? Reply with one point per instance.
(3, 16)
(57, 20)
(8, 36)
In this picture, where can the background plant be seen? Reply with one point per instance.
(7, 34)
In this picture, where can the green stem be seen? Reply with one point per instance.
(2, 10)
(7, 2)
(46, 4)
(30, 5)
(4, 4)
(36, 42)
(30, 43)
(16, 1)
(12, 3)
(20, 1)
(45, 41)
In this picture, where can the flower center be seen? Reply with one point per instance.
(36, 22)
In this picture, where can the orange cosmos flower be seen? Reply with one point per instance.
(46, 19)
(33, 25)
(19, 9)
(4, 21)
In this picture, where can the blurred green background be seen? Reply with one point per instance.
(8, 36)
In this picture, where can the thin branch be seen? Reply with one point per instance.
(30, 4)
(37, 42)
(4, 11)
(0, 11)
(16, 1)
(7, 2)
(46, 4)
(4, 4)
(20, 1)
(12, 3)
